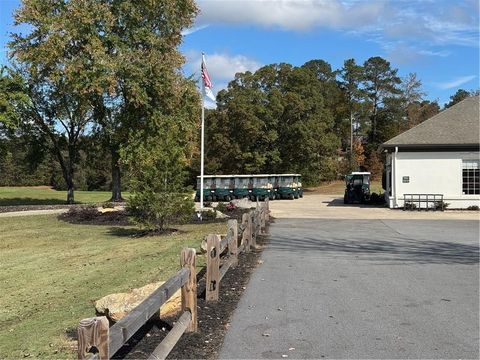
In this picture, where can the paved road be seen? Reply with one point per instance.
(320, 206)
(331, 288)
(32, 212)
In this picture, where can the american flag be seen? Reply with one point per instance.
(206, 80)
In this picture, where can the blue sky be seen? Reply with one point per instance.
(437, 39)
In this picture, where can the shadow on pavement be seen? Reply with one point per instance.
(339, 202)
(395, 250)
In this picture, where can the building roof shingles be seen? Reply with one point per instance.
(455, 126)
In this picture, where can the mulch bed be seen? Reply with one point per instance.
(89, 215)
(213, 318)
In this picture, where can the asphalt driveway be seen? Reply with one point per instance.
(362, 288)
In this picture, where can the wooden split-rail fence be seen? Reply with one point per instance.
(96, 340)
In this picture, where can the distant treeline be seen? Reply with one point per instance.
(278, 119)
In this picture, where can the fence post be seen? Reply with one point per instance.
(93, 332)
(189, 289)
(263, 217)
(248, 244)
(233, 245)
(255, 224)
(213, 267)
(243, 241)
(267, 210)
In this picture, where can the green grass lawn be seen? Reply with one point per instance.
(52, 271)
(338, 188)
(43, 195)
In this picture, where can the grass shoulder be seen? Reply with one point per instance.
(44, 195)
(51, 271)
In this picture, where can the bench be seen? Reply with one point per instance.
(410, 201)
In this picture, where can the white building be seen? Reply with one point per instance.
(438, 156)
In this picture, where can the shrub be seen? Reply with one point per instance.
(231, 206)
(209, 215)
(377, 199)
(154, 158)
(157, 210)
(108, 205)
(473, 207)
(222, 207)
(440, 205)
(410, 205)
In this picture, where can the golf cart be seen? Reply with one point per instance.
(357, 188)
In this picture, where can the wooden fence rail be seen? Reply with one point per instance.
(94, 334)
(97, 341)
(253, 224)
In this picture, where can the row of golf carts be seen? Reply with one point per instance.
(253, 187)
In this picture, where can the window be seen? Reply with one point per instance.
(470, 175)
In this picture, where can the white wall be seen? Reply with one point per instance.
(432, 173)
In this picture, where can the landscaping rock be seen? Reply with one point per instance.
(221, 215)
(243, 203)
(116, 306)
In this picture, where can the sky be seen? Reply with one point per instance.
(436, 39)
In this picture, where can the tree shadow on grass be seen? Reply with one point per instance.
(25, 201)
(137, 233)
(125, 232)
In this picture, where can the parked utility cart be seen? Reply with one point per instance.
(289, 186)
(262, 188)
(357, 188)
(243, 186)
(209, 186)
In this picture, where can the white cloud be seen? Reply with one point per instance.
(290, 14)
(194, 29)
(455, 82)
(221, 67)
(417, 24)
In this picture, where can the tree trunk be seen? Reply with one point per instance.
(116, 178)
(67, 171)
(70, 196)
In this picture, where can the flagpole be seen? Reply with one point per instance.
(202, 141)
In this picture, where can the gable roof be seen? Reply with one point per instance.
(457, 126)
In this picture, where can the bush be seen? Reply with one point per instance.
(440, 205)
(108, 205)
(209, 215)
(377, 199)
(473, 207)
(223, 208)
(157, 210)
(410, 205)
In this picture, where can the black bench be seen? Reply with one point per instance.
(410, 201)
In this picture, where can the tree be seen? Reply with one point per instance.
(351, 76)
(274, 120)
(112, 53)
(460, 95)
(381, 83)
(411, 89)
(11, 93)
(49, 60)
(155, 157)
(419, 111)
